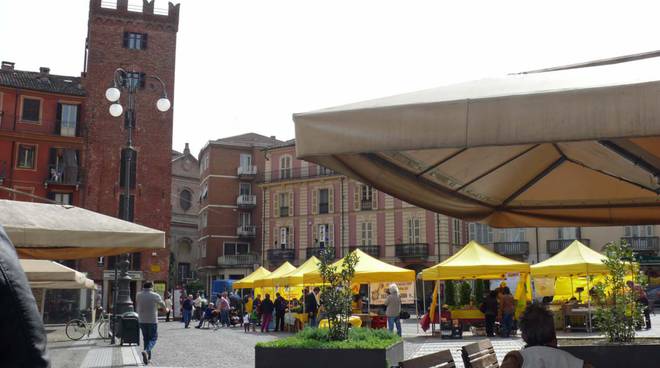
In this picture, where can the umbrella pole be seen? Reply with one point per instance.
(416, 305)
(572, 290)
(369, 299)
(588, 304)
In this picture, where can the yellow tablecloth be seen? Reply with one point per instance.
(355, 321)
(467, 314)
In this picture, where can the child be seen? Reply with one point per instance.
(247, 323)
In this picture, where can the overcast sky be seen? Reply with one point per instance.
(246, 66)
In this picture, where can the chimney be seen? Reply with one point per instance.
(186, 151)
(7, 65)
(44, 70)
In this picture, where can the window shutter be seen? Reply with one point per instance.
(315, 235)
(78, 121)
(52, 156)
(291, 204)
(331, 235)
(356, 198)
(315, 201)
(142, 80)
(51, 196)
(144, 41)
(374, 199)
(125, 43)
(331, 200)
(291, 237)
(276, 204)
(58, 120)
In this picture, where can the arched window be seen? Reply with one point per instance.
(185, 199)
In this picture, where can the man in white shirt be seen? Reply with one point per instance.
(197, 303)
(148, 302)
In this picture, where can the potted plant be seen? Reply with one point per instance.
(338, 345)
(617, 316)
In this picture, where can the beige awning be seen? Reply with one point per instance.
(559, 148)
(43, 274)
(50, 231)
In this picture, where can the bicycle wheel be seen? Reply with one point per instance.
(104, 330)
(75, 329)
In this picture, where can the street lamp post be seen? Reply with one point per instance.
(122, 297)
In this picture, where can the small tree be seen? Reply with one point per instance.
(479, 291)
(336, 294)
(450, 293)
(618, 313)
(465, 292)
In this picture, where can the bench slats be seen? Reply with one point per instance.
(440, 359)
(480, 354)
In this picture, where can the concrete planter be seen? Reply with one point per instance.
(326, 358)
(617, 355)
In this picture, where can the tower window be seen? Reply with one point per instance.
(135, 41)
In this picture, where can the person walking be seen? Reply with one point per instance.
(280, 310)
(197, 303)
(641, 298)
(393, 309)
(224, 307)
(508, 307)
(489, 309)
(168, 306)
(312, 306)
(187, 310)
(267, 308)
(148, 302)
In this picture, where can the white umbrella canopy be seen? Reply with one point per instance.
(51, 231)
(43, 274)
(557, 148)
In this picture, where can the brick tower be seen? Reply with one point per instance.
(142, 42)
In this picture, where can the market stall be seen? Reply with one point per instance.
(273, 282)
(476, 262)
(43, 275)
(574, 268)
(248, 281)
(375, 273)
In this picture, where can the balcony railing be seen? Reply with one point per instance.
(372, 250)
(366, 205)
(238, 260)
(316, 251)
(512, 248)
(413, 250)
(246, 200)
(284, 211)
(246, 231)
(279, 255)
(557, 245)
(645, 244)
(295, 174)
(63, 175)
(246, 171)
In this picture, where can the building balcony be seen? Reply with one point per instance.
(246, 231)
(557, 245)
(512, 248)
(58, 175)
(246, 201)
(366, 205)
(238, 260)
(280, 255)
(246, 172)
(297, 173)
(643, 244)
(316, 252)
(372, 250)
(412, 250)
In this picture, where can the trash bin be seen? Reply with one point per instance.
(130, 329)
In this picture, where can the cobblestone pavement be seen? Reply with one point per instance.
(179, 347)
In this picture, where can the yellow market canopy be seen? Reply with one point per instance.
(295, 277)
(567, 146)
(368, 269)
(52, 231)
(474, 261)
(575, 260)
(271, 279)
(42, 274)
(247, 282)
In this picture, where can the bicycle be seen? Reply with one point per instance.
(76, 329)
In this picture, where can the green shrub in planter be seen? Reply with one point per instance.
(319, 338)
(450, 293)
(465, 292)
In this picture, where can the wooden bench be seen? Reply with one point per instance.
(480, 354)
(441, 359)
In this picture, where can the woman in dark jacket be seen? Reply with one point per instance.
(267, 308)
(489, 309)
(22, 335)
